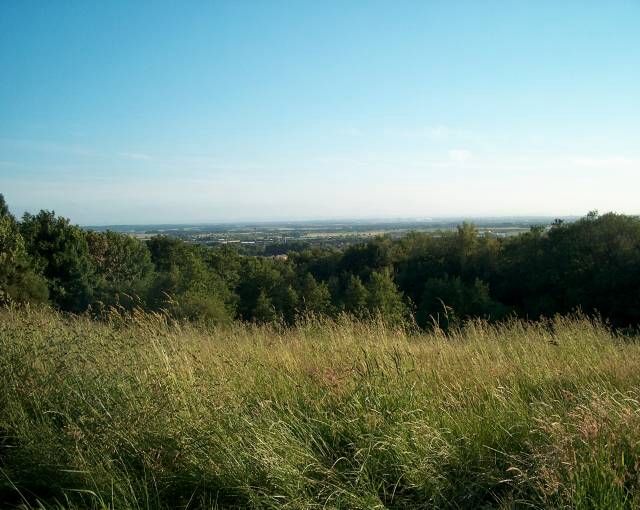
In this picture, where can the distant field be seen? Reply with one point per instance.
(318, 233)
(140, 414)
(399, 232)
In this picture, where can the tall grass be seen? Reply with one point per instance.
(138, 413)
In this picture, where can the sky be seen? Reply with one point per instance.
(127, 112)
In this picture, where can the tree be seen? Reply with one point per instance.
(198, 305)
(314, 297)
(122, 266)
(60, 251)
(448, 301)
(594, 264)
(285, 301)
(4, 208)
(18, 281)
(466, 243)
(384, 299)
(264, 310)
(355, 297)
(224, 261)
(523, 278)
(362, 259)
(185, 286)
(262, 279)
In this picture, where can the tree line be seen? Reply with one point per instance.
(440, 279)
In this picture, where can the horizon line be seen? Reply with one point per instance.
(431, 219)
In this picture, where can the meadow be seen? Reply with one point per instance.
(141, 412)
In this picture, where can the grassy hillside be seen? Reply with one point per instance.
(140, 414)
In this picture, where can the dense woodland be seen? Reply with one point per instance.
(431, 279)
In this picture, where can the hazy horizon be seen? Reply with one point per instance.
(336, 221)
(217, 112)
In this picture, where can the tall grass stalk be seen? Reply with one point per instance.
(137, 412)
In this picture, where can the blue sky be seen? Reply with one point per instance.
(152, 112)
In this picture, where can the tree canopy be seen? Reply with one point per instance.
(439, 279)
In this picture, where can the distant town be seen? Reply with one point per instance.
(277, 238)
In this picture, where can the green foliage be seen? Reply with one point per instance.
(362, 259)
(266, 290)
(439, 278)
(264, 310)
(200, 306)
(185, 285)
(448, 301)
(314, 297)
(286, 300)
(18, 280)
(122, 266)
(592, 264)
(4, 208)
(384, 299)
(60, 251)
(356, 297)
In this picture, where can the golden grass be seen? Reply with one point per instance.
(139, 413)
